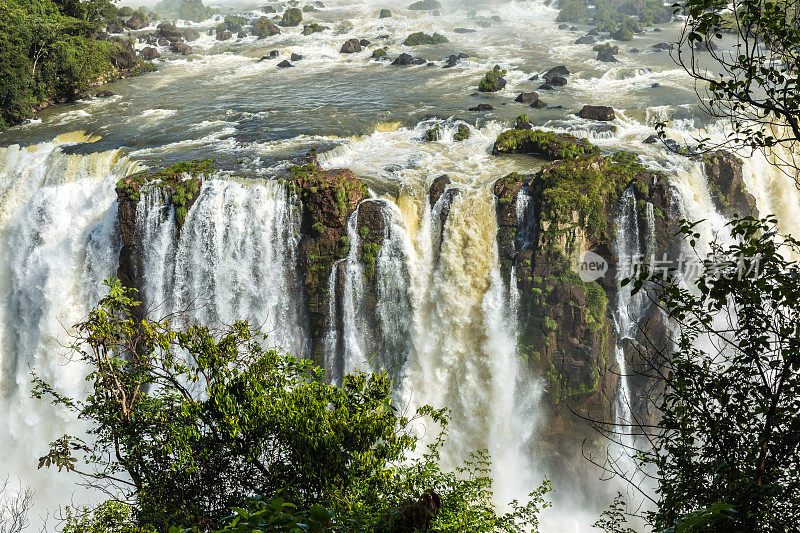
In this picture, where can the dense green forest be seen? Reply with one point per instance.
(53, 50)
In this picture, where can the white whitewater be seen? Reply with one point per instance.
(629, 308)
(58, 242)
(235, 258)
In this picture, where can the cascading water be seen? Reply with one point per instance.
(463, 346)
(631, 245)
(58, 240)
(233, 259)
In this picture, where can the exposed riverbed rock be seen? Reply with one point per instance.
(597, 112)
(726, 184)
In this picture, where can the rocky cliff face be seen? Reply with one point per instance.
(179, 186)
(546, 222)
(328, 198)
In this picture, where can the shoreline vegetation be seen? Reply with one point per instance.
(54, 51)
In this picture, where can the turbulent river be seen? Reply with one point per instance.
(448, 323)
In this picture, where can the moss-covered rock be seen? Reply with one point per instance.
(385, 14)
(313, 28)
(566, 330)
(462, 133)
(726, 184)
(179, 186)
(493, 81)
(264, 27)
(421, 38)
(434, 133)
(425, 5)
(380, 53)
(291, 17)
(329, 198)
(549, 145)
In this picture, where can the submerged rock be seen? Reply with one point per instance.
(482, 107)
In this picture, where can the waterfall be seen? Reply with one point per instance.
(353, 344)
(631, 245)
(235, 258)
(346, 345)
(463, 345)
(58, 242)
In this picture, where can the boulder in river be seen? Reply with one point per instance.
(482, 107)
(527, 98)
(421, 38)
(403, 59)
(425, 5)
(263, 27)
(291, 17)
(190, 34)
(586, 39)
(285, 64)
(105, 93)
(597, 112)
(556, 72)
(296, 57)
(224, 35)
(148, 53)
(384, 14)
(181, 48)
(169, 32)
(351, 47)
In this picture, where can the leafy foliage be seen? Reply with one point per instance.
(202, 429)
(726, 447)
(49, 51)
(751, 82)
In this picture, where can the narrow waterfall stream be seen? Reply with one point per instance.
(633, 245)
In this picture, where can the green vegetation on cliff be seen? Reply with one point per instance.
(180, 183)
(51, 51)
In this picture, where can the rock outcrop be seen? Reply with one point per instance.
(569, 208)
(179, 186)
(726, 184)
(329, 198)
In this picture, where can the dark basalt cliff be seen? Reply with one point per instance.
(570, 206)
